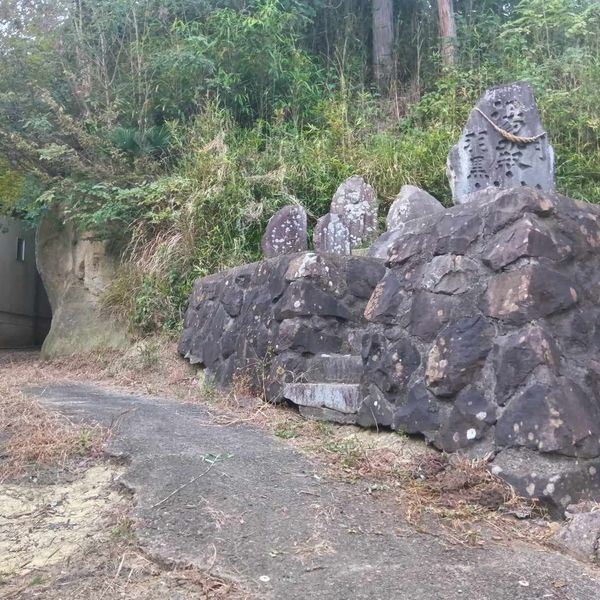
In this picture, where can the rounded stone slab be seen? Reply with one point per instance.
(355, 203)
(286, 232)
(331, 235)
(411, 203)
(485, 157)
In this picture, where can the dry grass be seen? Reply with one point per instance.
(459, 494)
(462, 494)
(115, 567)
(34, 436)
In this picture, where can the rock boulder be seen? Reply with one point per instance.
(411, 203)
(76, 270)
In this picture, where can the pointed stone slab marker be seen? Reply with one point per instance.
(411, 203)
(286, 232)
(503, 146)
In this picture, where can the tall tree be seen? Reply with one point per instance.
(383, 42)
(447, 31)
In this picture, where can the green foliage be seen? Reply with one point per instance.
(152, 141)
(11, 188)
(175, 129)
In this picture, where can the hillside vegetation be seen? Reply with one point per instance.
(175, 128)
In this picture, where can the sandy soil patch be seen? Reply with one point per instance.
(43, 525)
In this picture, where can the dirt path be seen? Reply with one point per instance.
(237, 501)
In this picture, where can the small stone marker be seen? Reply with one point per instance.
(355, 203)
(503, 146)
(411, 203)
(331, 235)
(286, 232)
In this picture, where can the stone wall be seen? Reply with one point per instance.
(267, 320)
(482, 334)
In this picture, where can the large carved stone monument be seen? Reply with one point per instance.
(503, 145)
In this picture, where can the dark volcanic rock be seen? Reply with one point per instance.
(363, 275)
(429, 313)
(529, 293)
(471, 416)
(390, 365)
(557, 480)
(300, 335)
(415, 228)
(558, 417)
(449, 274)
(527, 238)
(326, 272)
(516, 356)
(510, 205)
(375, 410)
(388, 300)
(302, 298)
(457, 355)
(580, 535)
(421, 413)
(456, 231)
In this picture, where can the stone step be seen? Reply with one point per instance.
(334, 368)
(327, 414)
(342, 397)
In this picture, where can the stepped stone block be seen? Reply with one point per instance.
(326, 414)
(343, 397)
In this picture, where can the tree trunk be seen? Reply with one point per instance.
(383, 42)
(447, 31)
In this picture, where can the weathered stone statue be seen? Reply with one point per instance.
(331, 235)
(286, 232)
(355, 203)
(503, 146)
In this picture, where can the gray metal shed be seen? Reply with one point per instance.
(25, 312)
